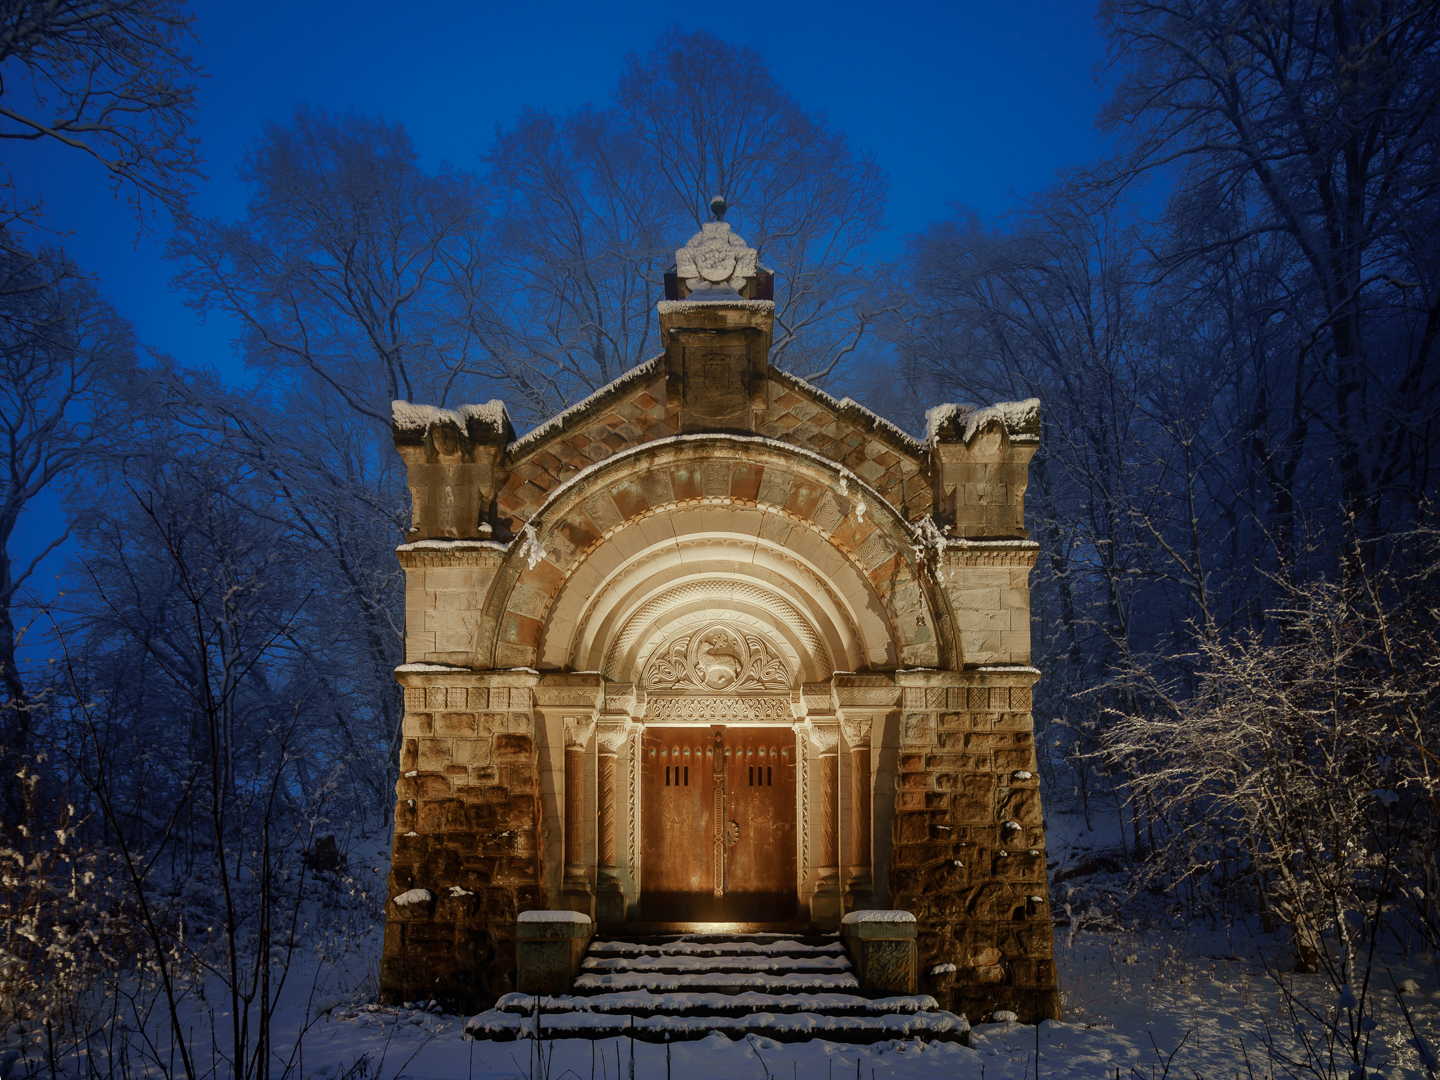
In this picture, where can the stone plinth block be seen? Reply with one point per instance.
(549, 946)
(881, 945)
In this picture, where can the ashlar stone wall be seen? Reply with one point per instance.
(969, 842)
(467, 820)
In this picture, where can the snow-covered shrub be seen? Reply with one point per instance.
(63, 924)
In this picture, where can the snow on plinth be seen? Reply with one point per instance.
(415, 896)
(578, 917)
(1018, 418)
(877, 916)
(690, 307)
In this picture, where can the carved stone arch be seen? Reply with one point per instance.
(649, 502)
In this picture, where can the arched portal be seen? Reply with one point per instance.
(712, 644)
(713, 578)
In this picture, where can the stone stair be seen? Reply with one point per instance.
(685, 986)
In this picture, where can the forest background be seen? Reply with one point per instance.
(1229, 312)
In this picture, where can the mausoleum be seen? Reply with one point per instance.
(713, 649)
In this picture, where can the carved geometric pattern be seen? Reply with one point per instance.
(806, 419)
(633, 411)
(632, 802)
(802, 759)
(784, 611)
(414, 698)
(718, 658)
(715, 710)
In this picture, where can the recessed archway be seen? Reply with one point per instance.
(681, 529)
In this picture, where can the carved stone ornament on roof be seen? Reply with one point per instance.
(715, 256)
(718, 658)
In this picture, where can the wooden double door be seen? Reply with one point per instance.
(718, 825)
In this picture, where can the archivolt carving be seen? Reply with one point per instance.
(743, 592)
(718, 658)
(796, 570)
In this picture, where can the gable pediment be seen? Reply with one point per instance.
(646, 404)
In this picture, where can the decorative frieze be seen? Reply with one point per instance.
(718, 710)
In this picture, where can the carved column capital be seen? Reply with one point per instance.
(857, 731)
(578, 730)
(824, 736)
(612, 734)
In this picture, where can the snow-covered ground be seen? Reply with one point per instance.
(1166, 1002)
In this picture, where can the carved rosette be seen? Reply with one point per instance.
(716, 256)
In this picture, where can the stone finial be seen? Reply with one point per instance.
(716, 261)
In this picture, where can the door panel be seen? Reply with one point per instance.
(742, 871)
(678, 824)
(760, 801)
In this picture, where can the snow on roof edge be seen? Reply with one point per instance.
(556, 423)
(847, 404)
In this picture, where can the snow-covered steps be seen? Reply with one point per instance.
(716, 982)
(644, 1003)
(718, 945)
(716, 964)
(783, 1027)
(686, 986)
(680, 965)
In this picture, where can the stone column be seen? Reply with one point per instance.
(576, 887)
(859, 886)
(611, 737)
(825, 904)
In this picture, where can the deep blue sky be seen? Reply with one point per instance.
(963, 102)
(966, 102)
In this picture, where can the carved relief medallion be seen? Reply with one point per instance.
(718, 659)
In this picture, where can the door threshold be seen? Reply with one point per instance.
(804, 929)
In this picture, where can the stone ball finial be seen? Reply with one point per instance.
(718, 206)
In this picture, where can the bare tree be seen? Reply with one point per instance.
(1313, 128)
(344, 272)
(110, 79)
(1300, 775)
(64, 355)
(590, 207)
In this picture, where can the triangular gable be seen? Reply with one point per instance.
(635, 409)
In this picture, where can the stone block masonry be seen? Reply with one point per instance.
(467, 818)
(710, 543)
(969, 845)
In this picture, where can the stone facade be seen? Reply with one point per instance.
(709, 543)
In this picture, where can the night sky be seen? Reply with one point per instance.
(964, 102)
(970, 103)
